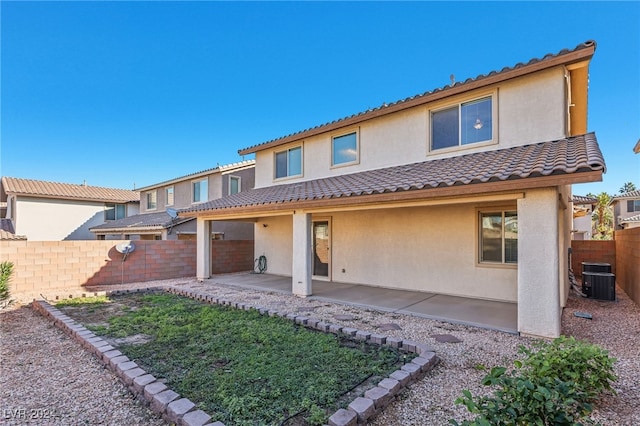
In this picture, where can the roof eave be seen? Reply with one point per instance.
(480, 82)
(67, 198)
(390, 198)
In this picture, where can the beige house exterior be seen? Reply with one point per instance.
(464, 190)
(582, 217)
(52, 211)
(159, 203)
(626, 210)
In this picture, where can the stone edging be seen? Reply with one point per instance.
(181, 411)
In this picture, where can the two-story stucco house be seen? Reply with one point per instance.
(464, 190)
(626, 210)
(582, 217)
(52, 211)
(160, 202)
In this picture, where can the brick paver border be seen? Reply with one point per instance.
(181, 411)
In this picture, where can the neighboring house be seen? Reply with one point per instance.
(582, 217)
(464, 190)
(7, 232)
(52, 211)
(160, 202)
(626, 210)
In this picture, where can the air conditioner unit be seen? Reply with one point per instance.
(596, 267)
(599, 285)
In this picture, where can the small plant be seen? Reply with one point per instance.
(554, 385)
(6, 270)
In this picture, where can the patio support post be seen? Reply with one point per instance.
(203, 249)
(301, 279)
(539, 312)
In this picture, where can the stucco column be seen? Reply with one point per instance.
(539, 311)
(203, 249)
(301, 278)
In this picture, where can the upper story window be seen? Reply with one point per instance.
(168, 195)
(115, 211)
(462, 124)
(152, 200)
(288, 163)
(234, 185)
(499, 237)
(200, 190)
(633, 206)
(344, 149)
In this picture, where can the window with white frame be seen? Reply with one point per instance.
(168, 195)
(499, 237)
(152, 200)
(200, 191)
(344, 149)
(115, 211)
(462, 124)
(288, 163)
(234, 184)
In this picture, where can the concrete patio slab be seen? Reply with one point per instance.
(494, 315)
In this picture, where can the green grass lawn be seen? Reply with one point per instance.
(240, 367)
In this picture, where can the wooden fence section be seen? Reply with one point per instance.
(627, 243)
(592, 251)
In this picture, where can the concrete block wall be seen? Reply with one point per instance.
(592, 251)
(231, 256)
(627, 247)
(41, 266)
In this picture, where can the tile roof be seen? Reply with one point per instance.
(581, 199)
(7, 231)
(635, 218)
(626, 195)
(39, 188)
(566, 56)
(566, 156)
(217, 169)
(143, 222)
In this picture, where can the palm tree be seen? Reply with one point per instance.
(627, 187)
(603, 218)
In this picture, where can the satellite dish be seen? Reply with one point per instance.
(172, 212)
(125, 248)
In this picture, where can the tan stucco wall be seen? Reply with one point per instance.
(275, 241)
(530, 109)
(539, 282)
(42, 219)
(400, 248)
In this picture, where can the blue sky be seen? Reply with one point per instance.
(134, 93)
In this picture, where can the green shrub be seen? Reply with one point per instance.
(554, 385)
(6, 269)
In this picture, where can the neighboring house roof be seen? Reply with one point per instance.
(581, 199)
(512, 168)
(7, 231)
(139, 222)
(634, 219)
(217, 169)
(68, 191)
(636, 148)
(582, 52)
(627, 195)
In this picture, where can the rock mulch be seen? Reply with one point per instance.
(36, 358)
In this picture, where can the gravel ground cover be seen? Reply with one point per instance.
(24, 383)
